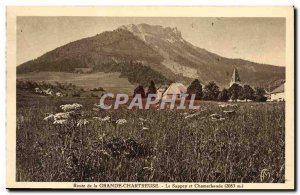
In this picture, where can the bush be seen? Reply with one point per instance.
(235, 91)
(151, 88)
(223, 95)
(260, 98)
(195, 88)
(139, 90)
(248, 93)
(211, 91)
(260, 95)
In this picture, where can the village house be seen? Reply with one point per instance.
(160, 91)
(174, 89)
(278, 93)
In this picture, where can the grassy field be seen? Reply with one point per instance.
(108, 81)
(152, 146)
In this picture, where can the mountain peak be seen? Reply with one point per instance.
(162, 52)
(145, 31)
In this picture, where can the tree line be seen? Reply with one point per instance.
(212, 92)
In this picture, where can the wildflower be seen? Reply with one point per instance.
(102, 136)
(190, 116)
(61, 115)
(71, 107)
(148, 168)
(143, 120)
(121, 121)
(227, 105)
(216, 117)
(60, 122)
(184, 113)
(74, 114)
(21, 119)
(193, 115)
(50, 117)
(82, 122)
(229, 112)
(104, 153)
(224, 105)
(107, 118)
(97, 118)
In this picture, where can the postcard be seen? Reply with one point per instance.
(150, 98)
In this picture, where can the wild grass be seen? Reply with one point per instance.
(153, 146)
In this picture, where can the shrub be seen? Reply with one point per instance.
(195, 88)
(223, 95)
(211, 91)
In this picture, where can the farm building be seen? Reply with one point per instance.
(174, 89)
(278, 93)
(235, 79)
(160, 91)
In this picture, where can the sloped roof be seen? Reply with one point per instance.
(279, 89)
(175, 88)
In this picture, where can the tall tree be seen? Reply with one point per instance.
(211, 91)
(195, 88)
(151, 88)
(259, 95)
(248, 93)
(235, 91)
(223, 95)
(139, 90)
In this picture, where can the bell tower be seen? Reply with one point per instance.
(235, 78)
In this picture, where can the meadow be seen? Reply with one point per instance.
(149, 145)
(108, 81)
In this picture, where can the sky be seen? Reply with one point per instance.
(259, 40)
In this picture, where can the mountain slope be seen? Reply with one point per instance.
(184, 58)
(108, 47)
(144, 52)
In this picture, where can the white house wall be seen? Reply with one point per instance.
(278, 96)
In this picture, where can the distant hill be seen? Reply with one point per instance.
(145, 52)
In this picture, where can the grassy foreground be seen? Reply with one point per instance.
(152, 146)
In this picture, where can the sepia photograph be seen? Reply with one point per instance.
(191, 100)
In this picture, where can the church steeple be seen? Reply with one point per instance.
(235, 78)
